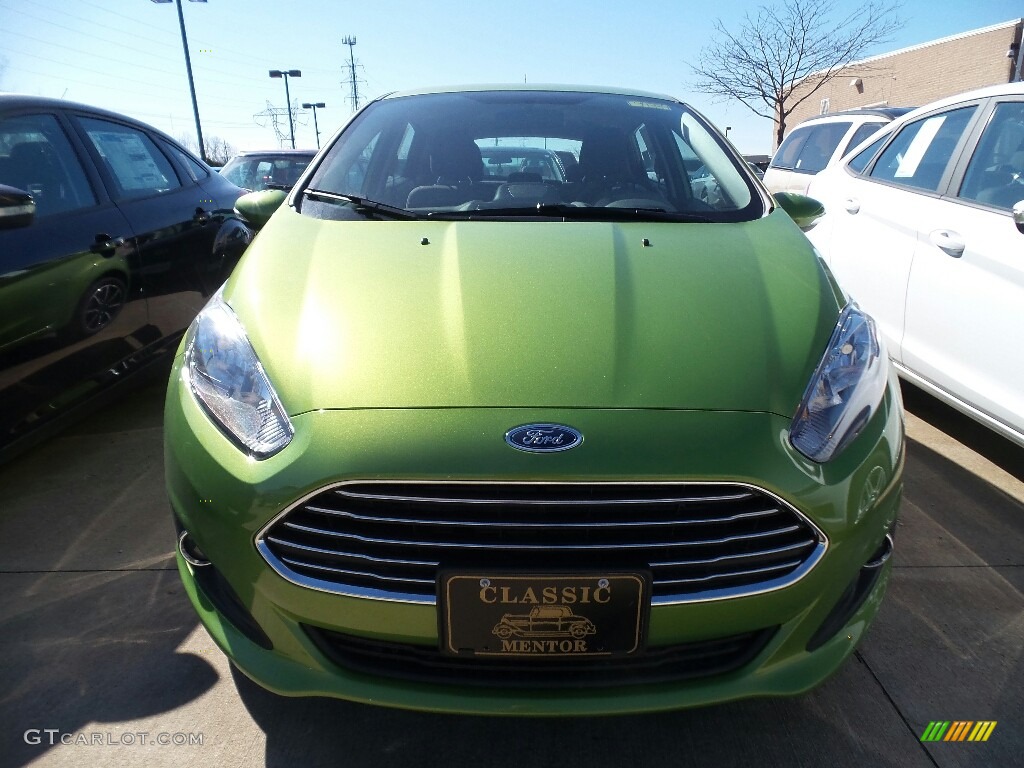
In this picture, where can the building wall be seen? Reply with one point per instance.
(916, 76)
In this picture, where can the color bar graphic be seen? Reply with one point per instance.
(958, 730)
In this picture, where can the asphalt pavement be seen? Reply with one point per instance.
(104, 663)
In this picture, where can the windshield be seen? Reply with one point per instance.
(256, 172)
(498, 154)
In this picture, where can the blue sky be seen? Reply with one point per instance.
(126, 55)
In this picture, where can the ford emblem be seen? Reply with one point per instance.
(543, 438)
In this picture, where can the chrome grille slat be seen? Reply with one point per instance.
(543, 547)
(360, 556)
(390, 539)
(361, 574)
(736, 556)
(755, 571)
(525, 524)
(542, 502)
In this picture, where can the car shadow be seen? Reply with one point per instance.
(87, 652)
(980, 439)
(847, 716)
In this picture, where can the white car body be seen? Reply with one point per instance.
(925, 239)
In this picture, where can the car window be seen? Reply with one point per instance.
(503, 151)
(860, 134)
(137, 166)
(240, 172)
(920, 153)
(860, 161)
(195, 169)
(810, 148)
(36, 157)
(511, 158)
(995, 175)
(355, 179)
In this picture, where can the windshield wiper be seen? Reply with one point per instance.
(367, 208)
(574, 212)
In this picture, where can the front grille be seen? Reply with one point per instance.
(685, 661)
(389, 540)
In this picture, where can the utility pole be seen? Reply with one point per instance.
(286, 73)
(351, 43)
(191, 82)
(315, 107)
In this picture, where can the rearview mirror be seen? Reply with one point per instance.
(257, 207)
(803, 210)
(1018, 216)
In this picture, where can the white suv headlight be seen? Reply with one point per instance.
(845, 390)
(228, 380)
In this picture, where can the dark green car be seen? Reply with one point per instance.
(651, 429)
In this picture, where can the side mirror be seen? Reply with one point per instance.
(17, 208)
(257, 207)
(804, 210)
(1018, 216)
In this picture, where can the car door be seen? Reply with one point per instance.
(966, 290)
(70, 304)
(170, 215)
(875, 216)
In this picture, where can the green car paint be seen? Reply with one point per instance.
(469, 321)
(404, 350)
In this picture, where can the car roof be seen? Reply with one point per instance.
(889, 113)
(1003, 89)
(532, 87)
(277, 152)
(24, 101)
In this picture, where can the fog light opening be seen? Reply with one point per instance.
(882, 555)
(853, 596)
(191, 552)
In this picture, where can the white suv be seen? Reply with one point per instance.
(820, 142)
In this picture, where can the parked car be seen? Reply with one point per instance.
(254, 170)
(426, 400)
(522, 163)
(925, 228)
(705, 186)
(112, 238)
(821, 142)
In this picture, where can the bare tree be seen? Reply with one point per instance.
(789, 43)
(218, 151)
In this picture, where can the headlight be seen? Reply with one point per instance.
(845, 389)
(227, 378)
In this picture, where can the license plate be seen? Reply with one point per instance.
(545, 615)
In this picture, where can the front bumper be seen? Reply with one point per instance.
(224, 499)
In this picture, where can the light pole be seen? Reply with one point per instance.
(286, 73)
(727, 129)
(188, 68)
(315, 107)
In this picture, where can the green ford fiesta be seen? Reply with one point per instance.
(456, 436)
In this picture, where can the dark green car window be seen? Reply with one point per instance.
(137, 166)
(36, 157)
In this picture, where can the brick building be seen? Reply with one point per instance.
(915, 76)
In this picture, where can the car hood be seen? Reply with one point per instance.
(550, 314)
